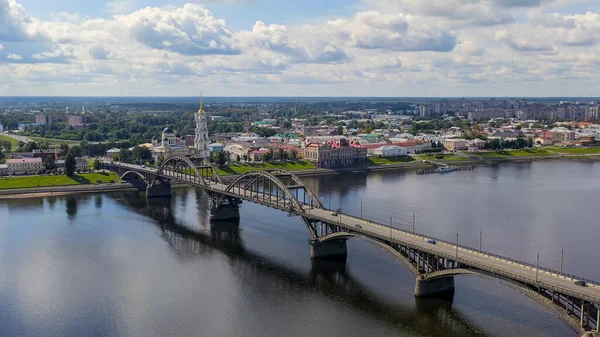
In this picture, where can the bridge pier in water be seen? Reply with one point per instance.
(161, 188)
(442, 287)
(228, 209)
(331, 249)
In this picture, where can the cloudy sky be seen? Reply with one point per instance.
(300, 47)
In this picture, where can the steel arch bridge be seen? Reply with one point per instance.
(433, 265)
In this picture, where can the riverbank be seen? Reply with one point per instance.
(34, 192)
(39, 192)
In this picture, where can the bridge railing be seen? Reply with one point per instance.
(463, 247)
(480, 266)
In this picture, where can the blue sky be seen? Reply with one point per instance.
(301, 48)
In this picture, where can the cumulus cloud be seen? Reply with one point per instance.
(190, 30)
(408, 44)
(302, 45)
(400, 32)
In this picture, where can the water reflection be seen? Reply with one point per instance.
(332, 278)
(71, 207)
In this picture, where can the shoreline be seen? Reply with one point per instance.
(40, 192)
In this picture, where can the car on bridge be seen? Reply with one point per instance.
(358, 226)
(432, 241)
(580, 283)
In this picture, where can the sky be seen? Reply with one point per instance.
(390, 48)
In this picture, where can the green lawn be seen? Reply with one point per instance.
(514, 153)
(242, 168)
(13, 141)
(56, 180)
(445, 157)
(390, 160)
(579, 150)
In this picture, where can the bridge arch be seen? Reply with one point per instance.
(389, 249)
(254, 176)
(299, 182)
(174, 164)
(133, 173)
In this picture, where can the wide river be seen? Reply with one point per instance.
(118, 265)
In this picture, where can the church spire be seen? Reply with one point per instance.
(201, 111)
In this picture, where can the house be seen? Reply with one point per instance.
(390, 151)
(216, 147)
(81, 164)
(455, 144)
(3, 170)
(543, 141)
(24, 166)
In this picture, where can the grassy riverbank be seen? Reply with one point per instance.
(443, 157)
(242, 168)
(389, 160)
(56, 180)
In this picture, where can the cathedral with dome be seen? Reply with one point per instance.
(170, 145)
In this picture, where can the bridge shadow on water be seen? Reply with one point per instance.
(331, 278)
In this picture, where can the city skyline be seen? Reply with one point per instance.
(379, 48)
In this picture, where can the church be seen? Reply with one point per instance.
(169, 145)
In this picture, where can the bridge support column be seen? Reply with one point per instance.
(162, 189)
(438, 287)
(229, 209)
(328, 250)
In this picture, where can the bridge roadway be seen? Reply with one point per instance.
(480, 260)
(555, 290)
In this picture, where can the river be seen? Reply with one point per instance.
(116, 264)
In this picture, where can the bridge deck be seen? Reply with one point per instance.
(491, 263)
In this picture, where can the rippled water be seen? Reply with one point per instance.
(119, 265)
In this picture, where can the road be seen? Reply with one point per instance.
(480, 260)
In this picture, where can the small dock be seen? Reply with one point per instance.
(445, 169)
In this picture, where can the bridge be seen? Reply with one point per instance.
(434, 265)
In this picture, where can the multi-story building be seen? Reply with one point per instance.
(593, 112)
(491, 113)
(76, 120)
(390, 151)
(81, 164)
(24, 166)
(1, 128)
(455, 144)
(335, 153)
(43, 119)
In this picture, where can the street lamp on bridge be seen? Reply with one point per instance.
(361, 202)
(391, 225)
(480, 236)
(413, 221)
(457, 241)
(562, 255)
(537, 264)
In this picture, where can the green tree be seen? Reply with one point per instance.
(280, 154)
(97, 165)
(220, 158)
(76, 151)
(340, 130)
(70, 165)
(125, 156)
(294, 155)
(268, 156)
(49, 163)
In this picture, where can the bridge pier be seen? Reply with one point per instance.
(437, 287)
(229, 209)
(159, 189)
(329, 249)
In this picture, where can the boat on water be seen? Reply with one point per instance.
(445, 169)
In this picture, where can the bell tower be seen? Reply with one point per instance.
(201, 140)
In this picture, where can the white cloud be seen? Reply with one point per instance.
(387, 47)
(400, 32)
